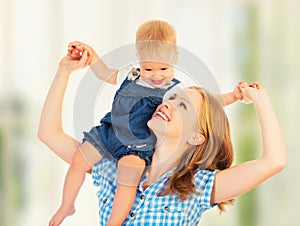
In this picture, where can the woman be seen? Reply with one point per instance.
(190, 170)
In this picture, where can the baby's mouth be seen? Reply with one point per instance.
(157, 82)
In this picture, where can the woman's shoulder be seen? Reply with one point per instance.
(204, 178)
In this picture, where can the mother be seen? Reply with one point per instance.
(190, 170)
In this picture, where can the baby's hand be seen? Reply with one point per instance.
(255, 85)
(238, 94)
(75, 51)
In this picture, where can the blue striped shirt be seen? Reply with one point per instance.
(149, 208)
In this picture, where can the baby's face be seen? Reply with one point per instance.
(156, 74)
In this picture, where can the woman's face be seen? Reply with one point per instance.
(177, 117)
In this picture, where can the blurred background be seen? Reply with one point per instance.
(237, 40)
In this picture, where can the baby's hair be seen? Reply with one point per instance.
(156, 30)
(156, 41)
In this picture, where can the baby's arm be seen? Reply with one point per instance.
(231, 97)
(97, 65)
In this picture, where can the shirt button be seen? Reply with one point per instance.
(142, 196)
(104, 200)
(166, 208)
(132, 214)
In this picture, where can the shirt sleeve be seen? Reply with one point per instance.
(96, 174)
(204, 180)
(104, 170)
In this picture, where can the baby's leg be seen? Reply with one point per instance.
(130, 170)
(73, 182)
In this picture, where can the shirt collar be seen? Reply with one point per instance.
(141, 82)
(160, 181)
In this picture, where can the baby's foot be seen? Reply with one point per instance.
(60, 215)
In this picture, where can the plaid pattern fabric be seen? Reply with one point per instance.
(150, 208)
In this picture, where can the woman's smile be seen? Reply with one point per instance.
(162, 115)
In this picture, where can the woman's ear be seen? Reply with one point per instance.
(196, 139)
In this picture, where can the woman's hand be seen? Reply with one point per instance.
(76, 49)
(71, 63)
(251, 92)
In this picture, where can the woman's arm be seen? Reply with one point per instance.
(239, 179)
(50, 129)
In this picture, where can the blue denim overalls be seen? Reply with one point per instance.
(124, 130)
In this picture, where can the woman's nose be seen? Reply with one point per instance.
(167, 104)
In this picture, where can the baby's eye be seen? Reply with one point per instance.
(182, 105)
(163, 69)
(147, 69)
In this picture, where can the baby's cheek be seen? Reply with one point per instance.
(170, 77)
(145, 75)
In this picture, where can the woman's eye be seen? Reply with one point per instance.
(182, 105)
(171, 98)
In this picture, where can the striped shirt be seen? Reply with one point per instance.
(149, 208)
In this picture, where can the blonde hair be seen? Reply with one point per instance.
(156, 30)
(215, 153)
(157, 39)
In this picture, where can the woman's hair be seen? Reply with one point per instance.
(156, 41)
(215, 153)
